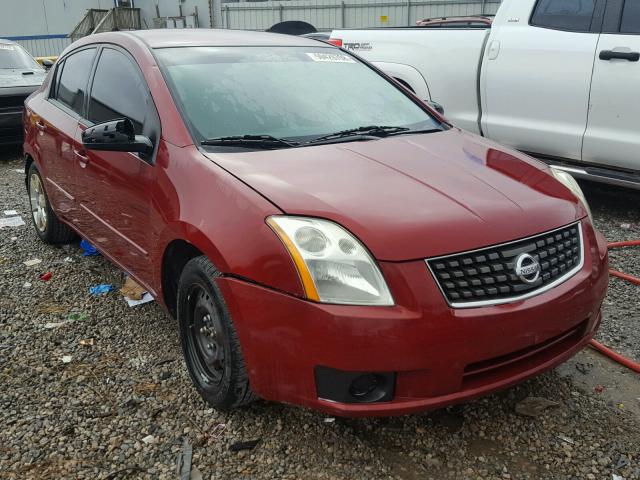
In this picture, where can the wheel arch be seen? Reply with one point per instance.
(175, 256)
(408, 76)
(28, 160)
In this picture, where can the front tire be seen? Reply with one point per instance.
(209, 340)
(48, 227)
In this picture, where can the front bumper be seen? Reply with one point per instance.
(11, 107)
(438, 355)
(11, 131)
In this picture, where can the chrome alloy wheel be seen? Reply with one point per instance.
(38, 203)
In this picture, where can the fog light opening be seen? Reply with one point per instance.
(368, 387)
(354, 387)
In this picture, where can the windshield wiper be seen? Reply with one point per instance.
(372, 130)
(250, 141)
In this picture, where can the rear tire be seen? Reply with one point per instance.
(209, 340)
(48, 227)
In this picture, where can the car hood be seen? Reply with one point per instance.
(411, 197)
(19, 77)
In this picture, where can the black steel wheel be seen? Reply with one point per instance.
(205, 336)
(209, 340)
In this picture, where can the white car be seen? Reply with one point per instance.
(554, 78)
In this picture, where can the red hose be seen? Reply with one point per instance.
(628, 243)
(615, 356)
(629, 278)
(625, 276)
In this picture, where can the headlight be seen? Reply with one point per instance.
(333, 265)
(568, 181)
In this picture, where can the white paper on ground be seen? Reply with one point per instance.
(11, 222)
(51, 325)
(31, 263)
(146, 298)
(10, 213)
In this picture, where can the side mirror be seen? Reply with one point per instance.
(47, 63)
(116, 136)
(436, 106)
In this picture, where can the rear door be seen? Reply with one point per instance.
(537, 74)
(57, 139)
(116, 186)
(613, 131)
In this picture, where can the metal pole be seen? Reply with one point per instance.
(342, 14)
(484, 3)
(215, 13)
(408, 13)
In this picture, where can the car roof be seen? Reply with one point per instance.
(162, 38)
(4, 41)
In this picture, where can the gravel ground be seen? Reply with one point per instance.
(617, 215)
(122, 407)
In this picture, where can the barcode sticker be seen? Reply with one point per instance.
(331, 57)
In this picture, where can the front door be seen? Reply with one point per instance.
(613, 131)
(117, 185)
(537, 74)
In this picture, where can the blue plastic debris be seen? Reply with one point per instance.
(100, 289)
(89, 250)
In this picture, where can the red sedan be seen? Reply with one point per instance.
(322, 236)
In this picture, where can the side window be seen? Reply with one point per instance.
(118, 90)
(71, 84)
(569, 15)
(630, 17)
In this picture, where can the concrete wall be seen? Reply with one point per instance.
(44, 17)
(42, 26)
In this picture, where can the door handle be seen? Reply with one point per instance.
(82, 158)
(611, 54)
(40, 126)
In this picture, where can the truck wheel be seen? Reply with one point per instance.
(209, 340)
(48, 227)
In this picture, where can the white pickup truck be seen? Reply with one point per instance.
(559, 79)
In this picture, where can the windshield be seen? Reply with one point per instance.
(283, 92)
(15, 57)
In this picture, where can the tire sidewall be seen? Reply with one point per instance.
(218, 395)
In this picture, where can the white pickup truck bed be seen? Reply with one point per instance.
(405, 53)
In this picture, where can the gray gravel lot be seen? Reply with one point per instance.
(617, 215)
(88, 418)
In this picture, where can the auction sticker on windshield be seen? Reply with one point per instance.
(330, 57)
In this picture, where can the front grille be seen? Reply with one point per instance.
(488, 276)
(12, 101)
